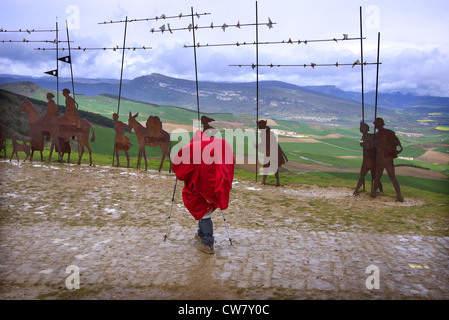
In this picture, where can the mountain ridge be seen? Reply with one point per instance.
(277, 99)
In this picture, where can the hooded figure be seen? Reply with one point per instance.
(206, 165)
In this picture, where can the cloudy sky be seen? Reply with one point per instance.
(414, 50)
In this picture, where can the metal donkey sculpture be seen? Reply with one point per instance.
(152, 135)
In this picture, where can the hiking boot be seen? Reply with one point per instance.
(207, 249)
(201, 246)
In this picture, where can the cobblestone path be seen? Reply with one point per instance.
(110, 223)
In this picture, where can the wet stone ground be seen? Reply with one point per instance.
(110, 223)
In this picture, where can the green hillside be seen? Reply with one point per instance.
(341, 152)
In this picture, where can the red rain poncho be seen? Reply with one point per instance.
(207, 183)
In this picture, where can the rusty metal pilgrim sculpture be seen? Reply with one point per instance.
(150, 135)
(207, 128)
(122, 142)
(379, 151)
(64, 145)
(60, 127)
(368, 163)
(265, 147)
(386, 145)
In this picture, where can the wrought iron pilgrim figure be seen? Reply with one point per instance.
(64, 145)
(386, 145)
(207, 128)
(71, 114)
(60, 129)
(122, 142)
(52, 109)
(267, 137)
(368, 164)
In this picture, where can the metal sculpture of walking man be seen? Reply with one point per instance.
(386, 145)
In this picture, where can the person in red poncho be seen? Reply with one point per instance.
(206, 165)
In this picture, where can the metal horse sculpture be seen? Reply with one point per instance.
(60, 127)
(37, 136)
(152, 135)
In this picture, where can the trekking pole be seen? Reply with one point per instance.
(227, 230)
(171, 206)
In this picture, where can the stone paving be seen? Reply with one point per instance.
(132, 261)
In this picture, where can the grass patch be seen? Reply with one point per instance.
(427, 211)
(431, 185)
(411, 185)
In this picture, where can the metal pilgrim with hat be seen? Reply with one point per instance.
(122, 142)
(387, 147)
(368, 162)
(274, 155)
(379, 151)
(380, 148)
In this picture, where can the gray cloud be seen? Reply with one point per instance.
(414, 51)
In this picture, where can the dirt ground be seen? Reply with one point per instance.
(434, 157)
(110, 223)
(402, 171)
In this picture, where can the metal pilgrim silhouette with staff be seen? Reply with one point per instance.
(379, 151)
(387, 146)
(368, 163)
(270, 147)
